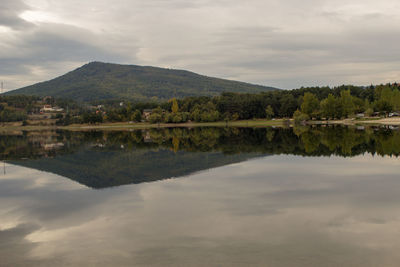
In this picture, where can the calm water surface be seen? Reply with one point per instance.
(201, 197)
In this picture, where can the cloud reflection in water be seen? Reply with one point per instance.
(278, 211)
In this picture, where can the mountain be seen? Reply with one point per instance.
(102, 168)
(102, 81)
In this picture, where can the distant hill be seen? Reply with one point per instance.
(102, 81)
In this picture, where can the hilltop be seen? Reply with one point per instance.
(103, 81)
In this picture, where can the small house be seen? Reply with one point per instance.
(360, 115)
(146, 113)
(49, 108)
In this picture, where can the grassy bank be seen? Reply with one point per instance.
(126, 125)
(244, 123)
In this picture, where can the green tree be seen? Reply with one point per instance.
(384, 99)
(369, 112)
(196, 115)
(269, 112)
(156, 115)
(347, 104)
(136, 116)
(310, 105)
(174, 107)
(67, 120)
(328, 107)
(288, 105)
(396, 99)
(155, 118)
(367, 105)
(300, 117)
(177, 117)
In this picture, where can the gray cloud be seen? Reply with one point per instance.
(9, 14)
(55, 42)
(285, 44)
(52, 49)
(14, 247)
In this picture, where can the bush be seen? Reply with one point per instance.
(155, 118)
(369, 112)
(8, 115)
(300, 117)
(136, 116)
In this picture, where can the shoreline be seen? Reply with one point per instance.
(367, 121)
(242, 123)
(129, 126)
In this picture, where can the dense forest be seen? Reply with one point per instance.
(15, 108)
(301, 104)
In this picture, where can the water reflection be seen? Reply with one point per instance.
(270, 211)
(105, 159)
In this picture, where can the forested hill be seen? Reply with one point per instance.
(101, 81)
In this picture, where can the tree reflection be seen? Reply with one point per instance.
(305, 141)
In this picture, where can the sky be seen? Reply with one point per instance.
(281, 43)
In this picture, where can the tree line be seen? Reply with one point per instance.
(301, 104)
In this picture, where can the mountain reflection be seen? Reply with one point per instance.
(102, 159)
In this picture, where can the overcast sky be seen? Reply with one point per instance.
(281, 43)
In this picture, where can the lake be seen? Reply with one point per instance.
(304, 196)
